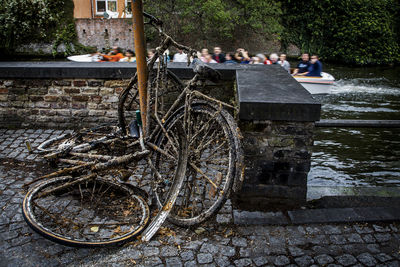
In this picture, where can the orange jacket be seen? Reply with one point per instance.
(113, 58)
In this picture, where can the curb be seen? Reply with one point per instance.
(314, 216)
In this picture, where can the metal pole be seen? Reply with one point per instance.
(140, 50)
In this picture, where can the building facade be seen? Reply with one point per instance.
(104, 23)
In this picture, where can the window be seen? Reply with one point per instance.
(103, 5)
(128, 8)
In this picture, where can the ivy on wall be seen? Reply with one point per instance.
(352, 31)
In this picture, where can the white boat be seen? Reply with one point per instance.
(316, 85)
(84, 58)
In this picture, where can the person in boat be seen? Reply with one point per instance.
(152, 52)
(242, 56)
(229, 58)
(203, 55)
(114, 55)
(263, 59)
(129, 56)
(218, 56)
(302, 67)
(256, 60)
(274, 58)
(284, 63)
(208, 59)
(315, 68)
(180, 56)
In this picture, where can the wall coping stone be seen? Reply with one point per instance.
(265, 92)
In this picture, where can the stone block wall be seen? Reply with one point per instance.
(58, 103)
(71, 103)
(105, 33)
(277, 160)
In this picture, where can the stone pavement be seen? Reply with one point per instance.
(216, 243)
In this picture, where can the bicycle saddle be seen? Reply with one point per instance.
(204, 71)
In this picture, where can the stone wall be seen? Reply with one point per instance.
(71, 103)
(277, 159)
(105, 33)
(59, 103)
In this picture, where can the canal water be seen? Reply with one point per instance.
(358, 157)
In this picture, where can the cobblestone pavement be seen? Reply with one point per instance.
(216, 243)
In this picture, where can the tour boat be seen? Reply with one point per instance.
(316, 85)
(84, 58)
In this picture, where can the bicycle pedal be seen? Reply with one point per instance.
(134, 129)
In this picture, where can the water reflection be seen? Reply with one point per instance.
(359, 156)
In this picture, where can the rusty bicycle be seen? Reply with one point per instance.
(187, 158)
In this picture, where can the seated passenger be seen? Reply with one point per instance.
(229, 59)
(129, 57)
(315, 68)
(180, 56)
(242, 56)
(274, 58)
(218, 56)
(208, 59)
(284, 63)
(204, 54)
(263, 59)
(256, 60)
(114, 55)
(302, 67)
(151, 53)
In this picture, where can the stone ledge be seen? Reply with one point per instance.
(318, 216)
(242, 217)
(272, 94)
(345, 215)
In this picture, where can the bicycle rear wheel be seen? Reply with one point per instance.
(213, 159)
(85, 211)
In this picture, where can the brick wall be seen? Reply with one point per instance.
(60, 103)
(105, 33)
(70, 103)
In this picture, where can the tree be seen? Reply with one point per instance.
(353, 31)
(201, 21)
(27, 21)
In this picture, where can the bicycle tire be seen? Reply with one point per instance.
(128, 101)
(231, 150)
(76, 141)
(64, 230)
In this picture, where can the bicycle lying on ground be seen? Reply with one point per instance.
(189, 162)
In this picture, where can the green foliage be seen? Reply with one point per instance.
(354, 31)
(28, 21)
(202, 20)
(65, 35)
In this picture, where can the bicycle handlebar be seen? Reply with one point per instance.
(157, 21)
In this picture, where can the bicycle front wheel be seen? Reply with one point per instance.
(211, 168)
(85, 212)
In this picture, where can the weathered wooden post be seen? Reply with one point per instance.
(140, 50)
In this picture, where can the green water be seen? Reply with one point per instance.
(359, 156)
